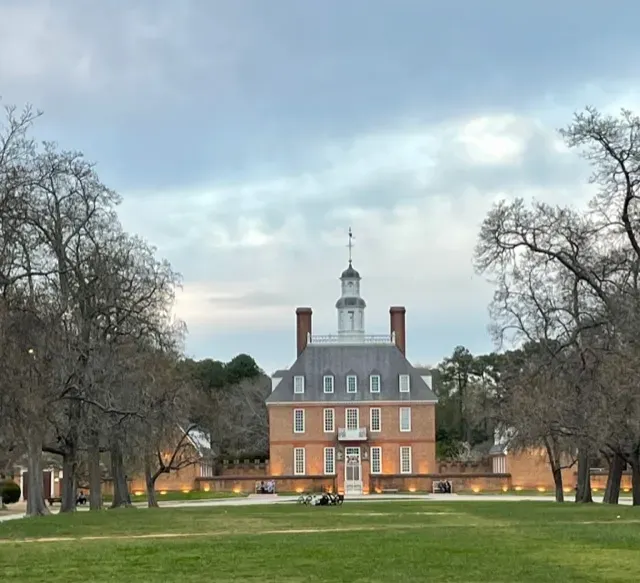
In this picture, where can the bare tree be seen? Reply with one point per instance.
(591, 261)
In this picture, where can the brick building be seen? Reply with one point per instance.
(351, 407)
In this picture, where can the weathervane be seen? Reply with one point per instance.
(350, 245)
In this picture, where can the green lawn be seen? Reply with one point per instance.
(403, 541)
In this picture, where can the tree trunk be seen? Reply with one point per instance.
(150, 484)
(556, 468)
(614, 479)
(69, 483)
(120, 487)
(634, 460)
(557, 481)
(35, 496)
(95, 472)
(70, 460)
(583, 493)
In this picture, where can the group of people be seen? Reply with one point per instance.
(444, 487)
(268, 487)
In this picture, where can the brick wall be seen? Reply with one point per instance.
(530, 470)
(283, 439)
(246, 484)
(244, 468)
(424, 482)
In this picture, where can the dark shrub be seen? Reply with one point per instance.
(9, 492)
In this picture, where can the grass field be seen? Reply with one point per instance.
(358, 542)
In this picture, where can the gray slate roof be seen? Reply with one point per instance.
(341, 360)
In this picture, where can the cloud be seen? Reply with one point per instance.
(247, 138)
(415, 196)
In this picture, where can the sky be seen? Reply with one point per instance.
(247, 136)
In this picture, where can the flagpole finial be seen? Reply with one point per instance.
(350, 245)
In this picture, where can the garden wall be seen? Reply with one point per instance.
(247, 484)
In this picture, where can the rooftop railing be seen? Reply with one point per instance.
(351, 339)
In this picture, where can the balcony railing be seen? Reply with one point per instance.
(359, 434)
(351, 339)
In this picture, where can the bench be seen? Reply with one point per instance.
(53, 499)
(390, 491)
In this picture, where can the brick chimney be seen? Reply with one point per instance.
(303, 328)
(398, 327)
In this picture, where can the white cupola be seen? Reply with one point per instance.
(350, 306)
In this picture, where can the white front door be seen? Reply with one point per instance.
(353, 471)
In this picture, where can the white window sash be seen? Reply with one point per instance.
(329, 413)
(408, 413)
(330, 455)
(371, 417)
(405, 450)
(299, 455)
(298, 413)
(377, 450)
(346, 418)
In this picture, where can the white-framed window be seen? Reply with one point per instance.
(352, 383)
(298, 420)
(375, 419)
(298, 384)
(329, 421)
(404, 383)
(298, 461)
(374, 383)
(327, 383)
(405, 419)
(376, 460)
(405, 459)
(499, 464)
(352, 418)
(330, 460)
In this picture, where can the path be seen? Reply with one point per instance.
(266, 499)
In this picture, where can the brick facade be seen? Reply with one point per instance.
(314, 439)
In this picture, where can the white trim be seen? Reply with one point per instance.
(352, 486)
(332, 470)
(52, 484)
(294, 420)
(371, 410)
(359, 402)
(406, 447)
(379, 450)
(346, 417)
(303, 460)
(400, 419)
(355, 383)
(324, 420)
(499, 464)
(325, 378)
(371, 377)
(298, 384)
(404, 383)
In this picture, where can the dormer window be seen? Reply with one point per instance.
(352, 383)
(298, 384)
(327, 383)
(404, 383)
(374, 383)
